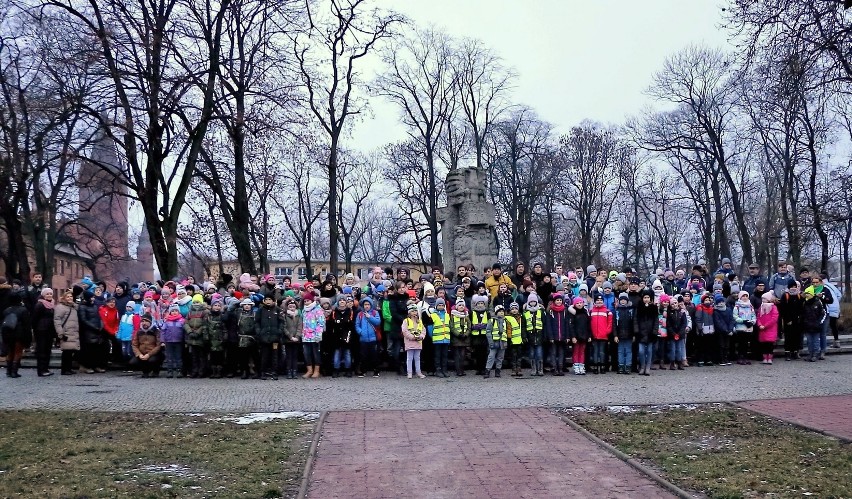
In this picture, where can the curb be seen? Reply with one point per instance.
(674, 489)
(738, 405)
(312, 453)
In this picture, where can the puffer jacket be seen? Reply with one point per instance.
(704, 322)
(399, 312)
(341, 328)
(580, 325)
(556, 325)
(268, 325)
(172, 330)
(647, 323)
(676, 322)
(22, 333)
(313, 324)
(90, 324)
(67, 326)
(146, 341)
(744, 313)
(601, 323)
(194, 325)
(214, 331)
(623, 323)
(813, 315)
(723, 321)
(366, 324)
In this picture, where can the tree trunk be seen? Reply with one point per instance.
(333, 232)
(435, 250)
(241, 214)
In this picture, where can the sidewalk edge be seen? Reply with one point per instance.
(674, 489)
(312, 453)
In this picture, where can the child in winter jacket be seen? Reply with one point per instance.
(601, 323)
(367, 325)
(813, 316)
(478, 323)
(515, 337)
(413, 330)
(214, 337)
(532, 326)
(557, 333)
(767, 325)
(623, 325)
(172, 335)
(292, 336)
(705, 328)
(268, 330)
(497, 336)
(194, 329)
(128, 325)
(313, 326)
(744, 320)
(580, 332)
(460, 334)
(723, 324)
(646, 330)
(677, 322)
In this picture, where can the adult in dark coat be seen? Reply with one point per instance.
(44, 331)
(399, 311)
(16, 338)
(94, 345)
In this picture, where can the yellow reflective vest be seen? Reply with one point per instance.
(513, 329)
(496, 333)
(534, 324)
(440, 329)
(475, 319)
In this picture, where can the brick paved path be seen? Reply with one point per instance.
(831, 415)
(511, 453)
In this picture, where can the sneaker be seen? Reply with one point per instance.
(408, 376)
(361, 375)
(375, 374)
(421, 376)
(836, 344)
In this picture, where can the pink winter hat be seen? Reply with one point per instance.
(664, 298)
(578, 301)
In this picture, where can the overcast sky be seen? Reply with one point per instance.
(575, 59)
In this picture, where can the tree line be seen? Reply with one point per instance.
(233, 121)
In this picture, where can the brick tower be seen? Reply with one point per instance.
(102, 229)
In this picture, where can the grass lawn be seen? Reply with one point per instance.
(75, 454)
(726, 452)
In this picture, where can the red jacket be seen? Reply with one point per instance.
(110, 319)
(601, 323)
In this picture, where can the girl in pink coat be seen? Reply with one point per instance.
(767, 325)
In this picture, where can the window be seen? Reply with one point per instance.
(282, 271)
(302, 272)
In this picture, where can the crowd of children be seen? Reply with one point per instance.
(260, 327)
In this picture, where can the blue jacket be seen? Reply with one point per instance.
(366, 324)
(723, 320)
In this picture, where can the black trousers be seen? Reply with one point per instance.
(291, 357)
(68, 357)
(459, 355)
(199, 360)
(249, 354)
(442, 351)
(369, 355)
(480, 352)
(268, 358)
(152, 364)
(232, 358)
(44, 343)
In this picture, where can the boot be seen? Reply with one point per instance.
(245, 375)
(309, 372)
(348, 373)
(770, 359)
(497, 374)
(170, 373)
(520, 373)
(541, 368)
(646, 371)
(335, 373)
(681, 365)
(316, 373)
(10, 369)
(487, 374)
(671, 366)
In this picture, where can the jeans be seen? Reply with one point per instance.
(598, 352)
(495, 356)
(625, 353)
(174, 356)
(536, 353)
(127, 349)
(676, 348)
(813, 343)
(395, 352)
(646, 354)
(823, 336)
(369, 356)
(412, 357)
(342, 354)
(557, 355)
(442, 350)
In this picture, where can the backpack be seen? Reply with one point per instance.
(10, 322)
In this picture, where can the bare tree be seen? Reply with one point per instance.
(421, 82)
(483, 85)
(327, 52)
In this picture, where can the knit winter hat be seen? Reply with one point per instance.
(668, 274)
(584, 287)
(607, 285)
(131, 304)
(149, 295)
(219, 300)
(411, 306)
(461, 302)
(427, 286)
(623, 296)
(657, 284)
(572, 275)
(247, 301)
(496, 266)
(440, 301)
(324, 301)
(621, 277)
(591, 268)
(533, 298)
(197, 299)
(180, 289)
(514, 306)
(499, 308)
(175, 307)
(557, 296)
(768, 297)
(147, 318)
(478, 299)
(742, 294)
(578, 301)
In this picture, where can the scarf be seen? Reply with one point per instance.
(456, 313)
(46, 304)
(557, 308)
(174, 316)
(534, 308)
(765, 307)
(706, 309)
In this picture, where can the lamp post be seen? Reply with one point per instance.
(686, 256)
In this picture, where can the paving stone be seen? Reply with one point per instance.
(433, 460)
(831, 415)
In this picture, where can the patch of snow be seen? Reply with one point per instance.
(260, 417)
(166, 469)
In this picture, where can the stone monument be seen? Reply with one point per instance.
(467, 222)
